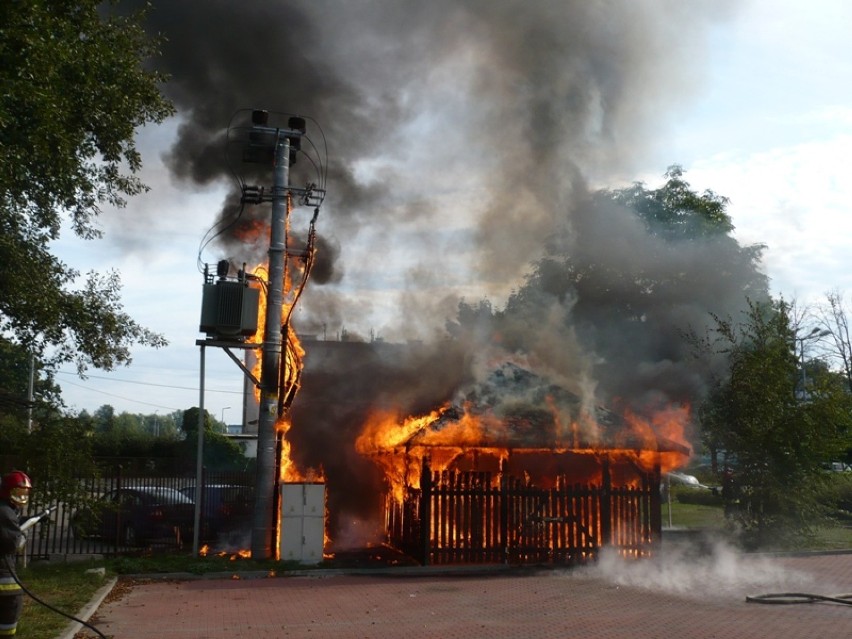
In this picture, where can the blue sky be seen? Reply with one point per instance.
(772, 131)
(767, 122)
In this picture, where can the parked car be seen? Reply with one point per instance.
(224, 507)
(838, 467)
(135, 515)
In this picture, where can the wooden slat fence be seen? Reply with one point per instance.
(482, 517)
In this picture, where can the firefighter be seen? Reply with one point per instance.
(14, 495)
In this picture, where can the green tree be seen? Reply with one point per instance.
(104, 419)
(639, 271)
(775, 440)
(17, 368)
(680, 231)
(57, 454)
(162, 427)
(472, 319)
(135, 435)
(220, 452)
(75, 89)
(674, 210)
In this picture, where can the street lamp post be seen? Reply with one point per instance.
(223, 416)
(816, 333)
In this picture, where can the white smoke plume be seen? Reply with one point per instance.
(710, 570)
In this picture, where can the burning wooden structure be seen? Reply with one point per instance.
(478, 485)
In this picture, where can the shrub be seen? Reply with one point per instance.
(835, 494)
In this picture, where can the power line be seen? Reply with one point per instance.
(93, 390)
(128, 381)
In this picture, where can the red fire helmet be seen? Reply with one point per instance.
(16, 487)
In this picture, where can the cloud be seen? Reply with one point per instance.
(795, 199)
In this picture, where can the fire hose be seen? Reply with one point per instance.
(32, 521)
(798, 598)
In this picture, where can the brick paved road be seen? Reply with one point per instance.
(694, 598)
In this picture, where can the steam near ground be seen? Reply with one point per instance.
(703, 571)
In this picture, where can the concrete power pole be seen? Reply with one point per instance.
(263, 523)
(272, 405)
(277, 146)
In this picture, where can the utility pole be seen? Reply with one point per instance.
(276, 146)
(261, 536)
(30, 395)
(282, 143)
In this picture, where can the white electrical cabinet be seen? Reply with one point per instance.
(302, 522)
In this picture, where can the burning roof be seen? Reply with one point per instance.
(517, 409)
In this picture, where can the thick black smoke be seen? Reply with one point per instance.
(463, 136)
(419, 100)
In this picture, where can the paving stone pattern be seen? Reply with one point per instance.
(687, 598)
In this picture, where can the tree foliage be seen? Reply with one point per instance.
(775, 439)
(833, 316)
(219, 452)
(75, 89)
(639, 271)
(125, 435)
(17, 368)
(666, 266)
(60, 450)
(674, 210)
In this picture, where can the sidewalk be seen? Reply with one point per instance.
(695, 598)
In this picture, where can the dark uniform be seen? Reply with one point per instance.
(14, 492)
(11, 595)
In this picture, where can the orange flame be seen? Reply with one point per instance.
(232, 556)
(290, 367)
(578, 458)
(665, 426)
(479, 441)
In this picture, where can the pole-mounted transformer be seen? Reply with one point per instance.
(228, 305)
(230, 309)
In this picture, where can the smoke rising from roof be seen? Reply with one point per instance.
(463, 136)
(419, 101)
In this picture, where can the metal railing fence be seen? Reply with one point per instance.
(77, 522)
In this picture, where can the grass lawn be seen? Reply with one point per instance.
(702, 517)
(65, 586)
(693, 516)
